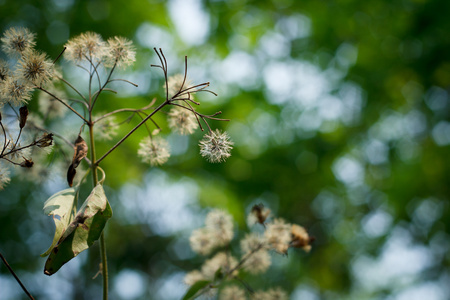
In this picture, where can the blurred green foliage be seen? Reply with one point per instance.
(340, 117)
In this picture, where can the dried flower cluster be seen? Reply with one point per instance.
(154, 151)
(279, 236)
(90, 47)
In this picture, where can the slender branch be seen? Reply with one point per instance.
(64, 103)
(125, 110)
(101, 89)
(130, 133)
(73, 88)
(124, 80)
(15, 276)
(56, 59)
(5, 144)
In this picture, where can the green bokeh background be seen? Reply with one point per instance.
(340, 117)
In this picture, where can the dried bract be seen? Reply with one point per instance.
(23, 114)
(300, 238)
(258, 214)
(45, 141)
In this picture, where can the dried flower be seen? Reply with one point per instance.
(220, 224)
(15, 91)
(27, 163)
(35, 67)
(202, 241)
(278, 235)
(17, 40)
(86, 46)
(45, 141)
(192, 277)
(106, 128)
(182, 120)
(257, 259)
(216, 146)
(4, 177)
(258, 214)
(175, 84)
(221, 261)
(300, 238)
(232, 292)
(154, 151)
(120, 52)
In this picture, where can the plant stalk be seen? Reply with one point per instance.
(104, 264)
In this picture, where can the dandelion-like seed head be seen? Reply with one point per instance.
(35, 67)
(232, 292)
(120, 51)
(86, 46)
(216, 146)
(220, 224)
(175, 84)
(278, 235)
(192, 277)
(221, 261)
(182, 121)
(253, 247)
(154, 151)
(4, 70)
(15, 91)
(106, 128)
(16, 41)
(202, 241)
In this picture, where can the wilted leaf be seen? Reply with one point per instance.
(59, 206)
(195, 288)
(82, 232)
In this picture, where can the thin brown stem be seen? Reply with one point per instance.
(64, 103)
(15, 276)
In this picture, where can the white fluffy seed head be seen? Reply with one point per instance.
(216, 146)
(154, 151)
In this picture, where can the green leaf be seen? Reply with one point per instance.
(82, 232)
(59, 206)
(195, 288)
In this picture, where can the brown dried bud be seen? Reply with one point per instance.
(260, 212)
(23, 116)
(45, 141)
(0, 117)
(27, 163)
(300, 238)
(80, 150)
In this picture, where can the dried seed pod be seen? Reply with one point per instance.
(23, 114)
(80, 152)
(45, 141)
(27, 163)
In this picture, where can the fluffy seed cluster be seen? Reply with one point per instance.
(216, 146)
(16, 41)
(91, 47)
(182, 121)
(106, 128)
(49, 106)
(254, 251)
(175, 85)
(35, 67)
(32, 68)
(154, 151)
(278, 235)
(120, 51)
(218, 231)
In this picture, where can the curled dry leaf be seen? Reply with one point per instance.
(23, 114)
(80, 150)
